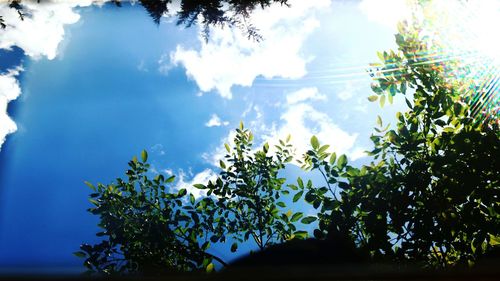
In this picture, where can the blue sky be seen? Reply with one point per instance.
(88, 87)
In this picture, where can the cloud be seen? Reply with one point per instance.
(42, 30)
(229, 58)
(203, 177)
(9, 90)
(300, 120)
(216, 122)
(39, 35)
(305, 94)
(385, 12)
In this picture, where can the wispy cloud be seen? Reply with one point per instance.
(305, 94)
(202, 178)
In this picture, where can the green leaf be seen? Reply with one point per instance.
(333, 157)
(265, 148)
(314, 142)
(170, 179)
(228, 149)
(90, 185)
(342, 162)
(199, 186)
(234, 247)
(301, 234)
(241, 125)
(210, 267)
(379, 121)
(300, 182)
(297, 196)
(382, 101)
(182, 192)
(191, 198)
(308, 220)
(323, 148)
(80, 254)
(281, 204)
(222, 164)
(373, 98)
(144, 156)
(296, 216)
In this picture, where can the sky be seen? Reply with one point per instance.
(85, 87)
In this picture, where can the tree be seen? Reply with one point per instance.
(150, 228)
(146, 228)
(233, 13)
(431, 194)
(249, 195)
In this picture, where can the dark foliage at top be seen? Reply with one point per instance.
(233, 13)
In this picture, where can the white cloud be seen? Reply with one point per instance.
(215, 121)
(9, 90)
(385, 12)
(42, 30)
(305, 94)
(142, 66)
(301, 121)
(203, 177)
(39, 35)
(229, 58)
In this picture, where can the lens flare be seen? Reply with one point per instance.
(469, 32)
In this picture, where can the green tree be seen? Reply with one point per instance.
(145, 228)
(249, 195)
(148, 228)
(431, 194)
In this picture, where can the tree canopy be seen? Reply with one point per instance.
(429, 196)
(232, 13)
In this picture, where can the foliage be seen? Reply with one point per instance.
(249, 195)
(431, 195)
(151, 230)
(209, 13)
(146, 229)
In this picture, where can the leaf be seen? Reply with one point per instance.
(80, 254)
(373, 98)
(191, 198)
(170, 179)
(234, 247)
(241, 125)
(296, 216)
(379, 121)
(301, 234)
(265, 148)
(288, 138)
(382, 101)
(297, 196)
(314, 142)
(308, 220)
(210, 267)
(182, 192)
(228, 149)
(333, 157)
(199, 186)
(90, 185)
(300, 182)
(342, 162)
(144, 156)
(323, 148)
(222, 164)
(281, 204)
